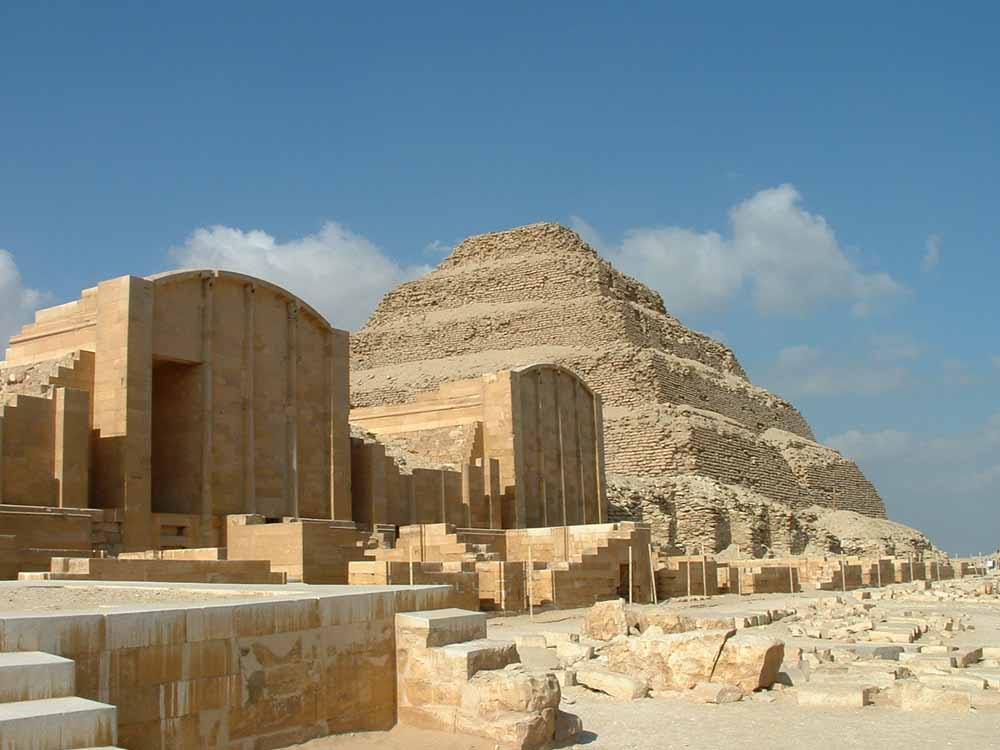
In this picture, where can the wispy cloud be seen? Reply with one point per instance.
(20, 302)
(789, 260)
(804, 370)
(932, 254)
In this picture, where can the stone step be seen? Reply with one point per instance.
(465, 659)
(56, 724)
(442, 627)
(33, 675)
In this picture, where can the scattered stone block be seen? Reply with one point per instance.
(749, 661)
(606, 620)
(714, 692)
(835, 696)
(916, 697)
(617, 685)
(571, 653)
(678, 661)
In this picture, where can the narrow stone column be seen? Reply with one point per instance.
(291, 413)
(249, 462)
(207, 406)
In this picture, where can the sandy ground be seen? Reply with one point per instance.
(27, 598)
(400, 738)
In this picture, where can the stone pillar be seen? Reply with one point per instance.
(72, 446)
(338, 345)
(207, 406)
(123, 376)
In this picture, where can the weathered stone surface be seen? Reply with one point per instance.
(916, 697)
(714, 692)
(677, 661)
(617, 685)
(835, 696)
(605, 620)
(571, 653)
(750, 661)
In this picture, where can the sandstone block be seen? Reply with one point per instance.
(617, 685)
(749, 661)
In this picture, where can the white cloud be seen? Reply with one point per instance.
(340, 273)
(956, 372)
(932, 256)
(944, 484)
(20, 302)
(810, 371)
(892, 348)
(437, 248)
(789, 259)
(872, 446)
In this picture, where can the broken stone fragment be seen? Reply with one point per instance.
(678, 661)
(714, 692)
(749, 661)
(617, 685)
(605, 620)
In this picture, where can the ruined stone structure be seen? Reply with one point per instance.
(203, 394)
(678, 412)
(537, 430)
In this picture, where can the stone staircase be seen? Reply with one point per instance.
(38, 708)
(451, 678)
(438, 542)
(593, 573)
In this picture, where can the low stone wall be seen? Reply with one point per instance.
(281, 669)
(153, 569)
(461, 577)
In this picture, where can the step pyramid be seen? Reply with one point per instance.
(677, 403)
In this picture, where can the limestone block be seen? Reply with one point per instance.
(916, 697)
(494, 692)
(678, 661)
(714, 692)
(749, 661)
(553, 639)
(571, 653)
(965, 657)
(531, 640)
(605, 620)
(667, 621)
(835, 696)
(513, 730)
(566, 677)
(568, 726)
(617, 685)
(56, 724)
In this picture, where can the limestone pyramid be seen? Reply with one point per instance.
(677, 404)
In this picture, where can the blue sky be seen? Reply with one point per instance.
(817, 185)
